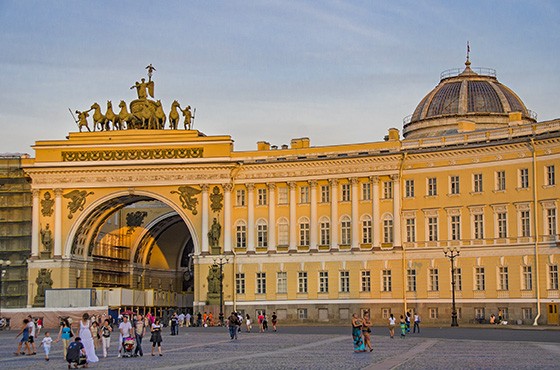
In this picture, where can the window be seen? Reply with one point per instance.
(432, 229)
(434, 280)
(501, 180)
(387, 229)
(345, 231)
(240, 197)
(345, 192)
(385, 313)
(387, 190)
(411, 280)
(409, 188)
(524, 178)
(262, 197)
(261, 283)
(282, 195)
(283, 232)
(525, 223)
(302, 282)
(282, 282)
(411, 230)
(387, 283)
(505, 312)
(477, 183)
(527, 283)
(553, 277)
(344, 281)
(241, 235)
(325, 231)
(323, 281)
(458, 279)
(550, 176)
(433, 312)
(366, 281)
(366, 191)
(503, 278)
(325, 194)
(262, 234)
(479, 312)
(527, 313)
(432, 186)
(366, 230)
(240, 283)
(302, 313)
(480, 282)
(304, 194)
(551, 221)
(304, 232)
(478, 226)
(454, 185)
(502, 225)
(455, 227)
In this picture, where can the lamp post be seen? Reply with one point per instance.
(221, 261)
(3, 268)
(452, 253)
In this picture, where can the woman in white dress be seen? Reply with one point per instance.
(87, 339)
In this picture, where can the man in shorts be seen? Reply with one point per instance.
(32, 334)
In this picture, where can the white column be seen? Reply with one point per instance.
(204, 206)
(271, 218)
(227, 217)
(355, 217)
(293, 221)
(334, 213)
(397, 232)
(313, 217)
(35, 227)
(250, 218)
(375, 211)
(57, 223)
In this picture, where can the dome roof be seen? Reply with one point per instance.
(467, 96)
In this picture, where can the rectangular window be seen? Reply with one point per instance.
(501, 180)
(262, 235)
(282, 282)
(304, 233)
(455, 227)
(387, 282)
(478, 226)
(527, 278)
(385, 313)
(553, 277)
(551, 221)
(433, 312)
(409, 188)
(524, 178)
(323, 281)
(304, 194)
(366, 281)
(434, 280)
(432, 186)
(302, 313)
(480, 281)
(477, 183)
(282, 195)
(240, 283)
(432, 229)
(325, 194)
(411, 230)
(458, 279)
(479, 312)
(344, 281)
(261, 283)
(283, 233)
(241, 235)
(388, 230)
(302, 282)
(366, 231)
(527, 313)
(387, 190)
(525, 223)
(550, 176)
(240, 197)
(454, 185)
(411, 280)
(502, 224)
(324, 229)
(262, 197)
(503, 282)
(345, 232)
(345, 192)
(366, 191)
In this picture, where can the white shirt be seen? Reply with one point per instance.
(392, 320)
(31, 326)
(46, 342)
(125, 328)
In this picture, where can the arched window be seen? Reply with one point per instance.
(304, 231)
(283, 231)
(345, 230)
(241, 234)
(366, 229)
(387, 228)
(325, 231)
(262, 234)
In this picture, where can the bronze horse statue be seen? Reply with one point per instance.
(98, 117)
(174, 115)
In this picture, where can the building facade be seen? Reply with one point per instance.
(317, 233)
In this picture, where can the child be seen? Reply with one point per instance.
(106, 330)
(403, 327)
(46, 343)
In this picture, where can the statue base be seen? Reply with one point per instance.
(39, 302)
(45, 255)
(213, 298)
(216, 251)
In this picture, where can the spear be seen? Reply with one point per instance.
(74, 117)
(193, 116)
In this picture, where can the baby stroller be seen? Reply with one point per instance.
(128, 347)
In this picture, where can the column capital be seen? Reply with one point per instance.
(250, 186)
(313, 183)
(333, 182)
(374, 179)
(292, 184)
(58, 192)
(36, 193)
(204, 187)
(228, 186)
(394, 177)
(354, 180)
(271, 185)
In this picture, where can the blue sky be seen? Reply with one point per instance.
(334, 71)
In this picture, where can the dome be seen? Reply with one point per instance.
(472, 96)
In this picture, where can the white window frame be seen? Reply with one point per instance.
(323, 281)
(240, 197)
(409, 188)
(302, 282)
(283, 231)
(345, 230)
(366, 229)
(262, 197)
(241, 234)
(281, 282)
(344, 281)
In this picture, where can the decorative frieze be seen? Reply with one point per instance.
(131, 154)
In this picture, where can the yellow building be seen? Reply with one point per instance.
(317, 233)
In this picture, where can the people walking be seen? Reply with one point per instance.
(265, 322)
(416, 323)
(261, 320)
(248, 323)
(366, 331)
(357, 334)
(232, 325)
(407, 322)
(125, 329)
(32, 334)
(139, 332)
(87, 339)
(24, 332)
(65, 334)
(403, 326)
(46, 343)
(274, 321)
(156, 336)
(106, 330)
(392, 324)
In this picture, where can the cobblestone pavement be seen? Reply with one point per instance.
(316, 348)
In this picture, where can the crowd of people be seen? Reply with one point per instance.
(361, 329)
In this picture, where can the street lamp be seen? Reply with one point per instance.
(452, 253)
(221, 261)
(2, 273)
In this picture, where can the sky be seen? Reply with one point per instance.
(334, 71)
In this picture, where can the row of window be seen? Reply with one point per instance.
(432, 228)
(387, 188)
(387, 280)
